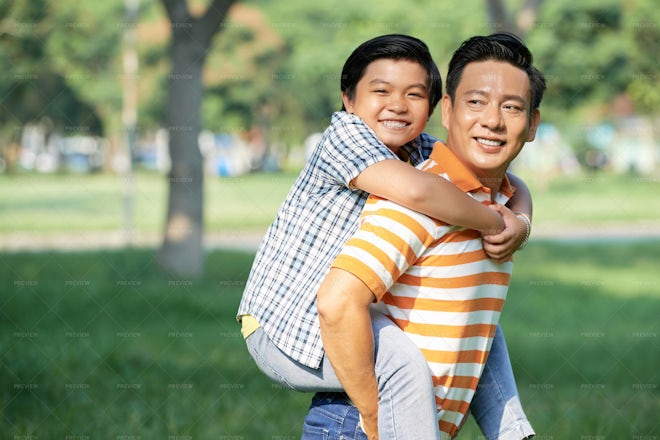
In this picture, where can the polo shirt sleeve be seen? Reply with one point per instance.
(350, 148)
(391, 238)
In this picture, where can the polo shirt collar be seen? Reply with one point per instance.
(460, 175)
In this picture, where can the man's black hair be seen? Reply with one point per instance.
(500, 46)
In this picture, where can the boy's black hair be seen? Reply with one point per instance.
(500, 46)
(396, 47)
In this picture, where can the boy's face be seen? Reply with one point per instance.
(392, 98)
(489, 121)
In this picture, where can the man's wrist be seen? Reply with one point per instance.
(528, 228)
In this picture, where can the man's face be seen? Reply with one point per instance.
(489, 121)
(392, 98)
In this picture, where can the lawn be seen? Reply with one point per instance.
(103, 345)
(53, 204)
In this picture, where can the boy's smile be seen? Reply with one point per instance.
(392, 99)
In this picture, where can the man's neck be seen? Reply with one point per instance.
(493, 183)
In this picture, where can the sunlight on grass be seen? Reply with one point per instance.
(104, 344)
(69, 203)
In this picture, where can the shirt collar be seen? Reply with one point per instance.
(460, 175)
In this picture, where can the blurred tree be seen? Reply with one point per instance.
(587, 55)
(642, 28)
(181, 251)
(33, 88)
(502, 20)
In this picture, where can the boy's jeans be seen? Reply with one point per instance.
(406, 406)
(406, 400)
(496, 406)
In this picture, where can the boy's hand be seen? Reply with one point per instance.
(501, 247)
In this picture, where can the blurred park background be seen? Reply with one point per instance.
(146, 145)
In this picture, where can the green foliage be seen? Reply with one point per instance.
(276, 65)
(103, 344)
(593, 51)
(85, 48)
(32, 89)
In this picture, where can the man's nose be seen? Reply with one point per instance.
(492, 117)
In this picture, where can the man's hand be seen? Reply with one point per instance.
(370, 426)
(501, 247)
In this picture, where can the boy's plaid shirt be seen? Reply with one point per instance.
(319, 214)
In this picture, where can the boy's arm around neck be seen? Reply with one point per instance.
(429, 194)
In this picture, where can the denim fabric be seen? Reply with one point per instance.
(496, 405)
(406, 407)
(331, 416)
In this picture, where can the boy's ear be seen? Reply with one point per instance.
(348, 104)
(533, 125)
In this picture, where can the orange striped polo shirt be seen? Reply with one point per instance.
(436, 283)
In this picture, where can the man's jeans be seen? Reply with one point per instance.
(332, 416)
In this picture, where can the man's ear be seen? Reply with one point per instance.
(348, 104)
(534, 122)
(446, 106)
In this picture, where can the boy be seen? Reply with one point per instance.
(434, 279)
(278, 310)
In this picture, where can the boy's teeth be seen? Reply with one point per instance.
(394, 124)
(489, 142)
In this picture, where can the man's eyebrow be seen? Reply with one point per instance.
(506, 97)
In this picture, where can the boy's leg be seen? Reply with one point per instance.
(406, 398)
(284, 370)
(406, 407)
(496, 405)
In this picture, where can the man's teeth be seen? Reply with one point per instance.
(489, 142)
(394, 124)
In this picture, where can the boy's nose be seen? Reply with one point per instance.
(398, 103)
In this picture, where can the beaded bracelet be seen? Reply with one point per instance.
(528, 228)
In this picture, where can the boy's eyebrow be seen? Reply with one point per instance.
(382, 81)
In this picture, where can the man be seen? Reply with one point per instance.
(434, 280)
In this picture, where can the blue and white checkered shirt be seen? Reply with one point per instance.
(319, 214)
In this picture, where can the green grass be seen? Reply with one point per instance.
(595, 201)
(103, 345)
(51, 204)
(48, 204)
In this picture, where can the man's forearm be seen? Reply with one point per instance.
(349, 342)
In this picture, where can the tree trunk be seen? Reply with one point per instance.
(182, 252)
(501, 20)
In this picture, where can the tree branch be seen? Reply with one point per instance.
(527, 17)
(499, 19)
(213, 17)
(177, 10)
